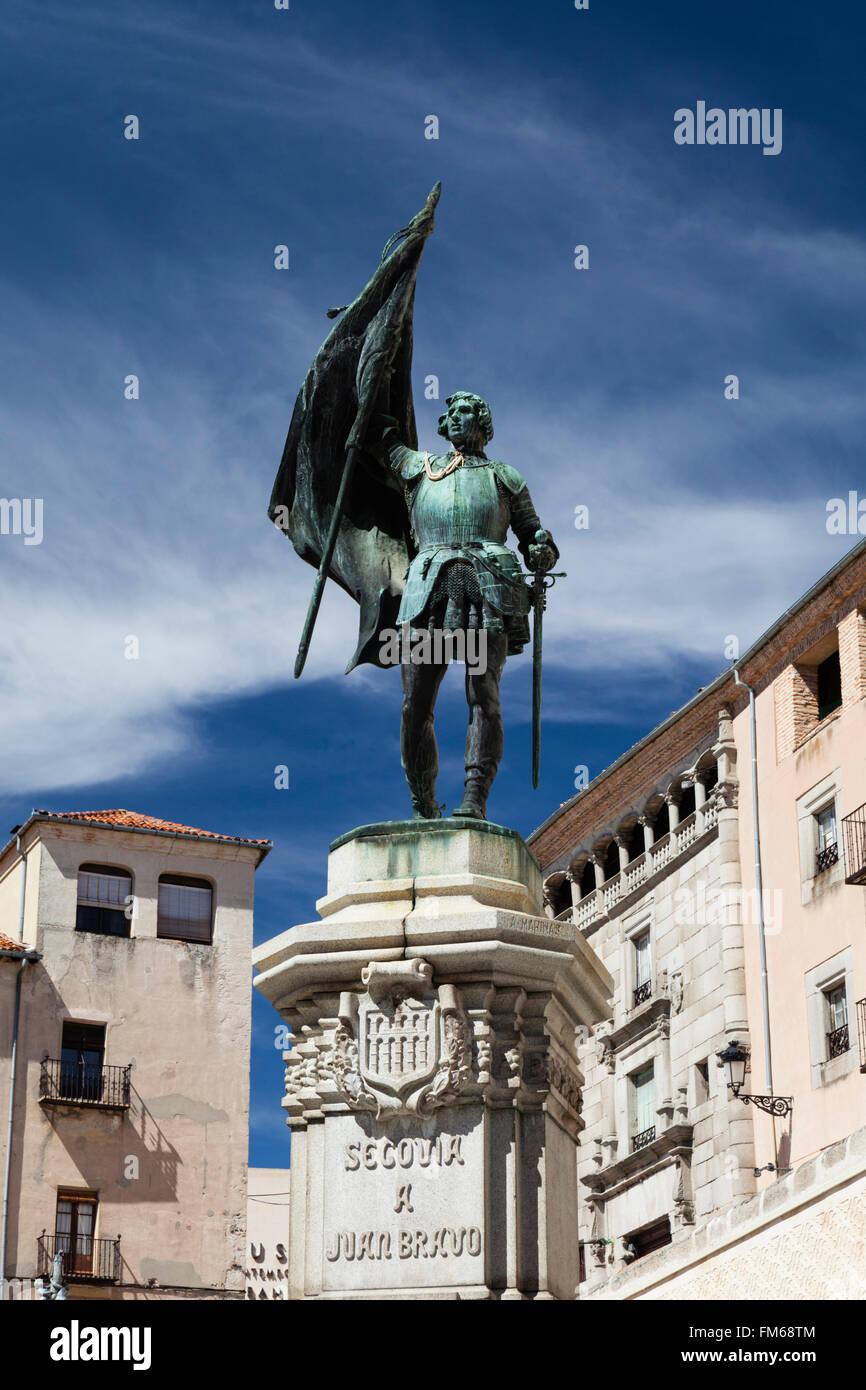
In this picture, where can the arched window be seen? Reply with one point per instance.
(710, 777)
(611, 861)
(104, 900)
(662, 823)
(185, 910)
(559, 893)
(587, 879)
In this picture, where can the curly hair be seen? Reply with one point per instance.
(482, 413)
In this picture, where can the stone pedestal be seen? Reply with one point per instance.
(432, 1086)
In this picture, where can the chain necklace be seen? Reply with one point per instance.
(456, 461)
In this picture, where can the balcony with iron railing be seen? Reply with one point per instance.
(86, 1259)
(861, 1031)
(838, 1041)
(84, 1083)
(641, 870)
(643, 1138)
(826, 858)
(854, 828)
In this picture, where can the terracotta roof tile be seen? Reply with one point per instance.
(135, 820)
(7, 944)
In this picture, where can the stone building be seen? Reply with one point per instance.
(722, 923)
(126, 940)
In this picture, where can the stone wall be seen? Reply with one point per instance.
(802, 1238)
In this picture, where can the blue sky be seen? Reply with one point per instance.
(306, 127)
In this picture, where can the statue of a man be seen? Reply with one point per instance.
(463, 576)
(418, 542)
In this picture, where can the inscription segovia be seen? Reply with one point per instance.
(383, 1153)
(404, 1244)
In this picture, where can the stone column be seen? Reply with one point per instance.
(648, 832)
(735, 1136)
(598, 868)
(700, 802)
(432, 1088)
(622, 849)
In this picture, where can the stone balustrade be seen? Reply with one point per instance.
(639, 871)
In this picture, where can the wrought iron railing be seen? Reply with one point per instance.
(861, 1031)
(84, 1083)
(826, 858)
(84, 1257)
(854, 827)
(643, 993)
(640, 1141)
(838, 1041)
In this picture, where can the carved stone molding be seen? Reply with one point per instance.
(676, 990)
(650, 1018)
(683, 1203)
(725, 794)
(672, 1144)
(563, 1080)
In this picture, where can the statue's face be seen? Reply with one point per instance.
(461, 423)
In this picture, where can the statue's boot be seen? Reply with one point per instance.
(477, 784)
(484, 735)
(422, 789)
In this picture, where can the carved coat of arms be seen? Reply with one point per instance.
(401, 1046)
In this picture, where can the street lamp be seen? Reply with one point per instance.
(735, 1057)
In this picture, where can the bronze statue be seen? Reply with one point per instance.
(419, 541)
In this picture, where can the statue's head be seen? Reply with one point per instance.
(467, 421)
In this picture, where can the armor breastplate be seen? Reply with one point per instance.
(466, 506)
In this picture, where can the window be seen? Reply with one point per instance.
(73, 1232)
(829, 992)
(185, 908)
(702, 1082)
(642, 969)
(829, 685)
(826, 838)
(643, 1107)
(102, 900)
(81, 1054)
(837, 1016)
(650, 1238)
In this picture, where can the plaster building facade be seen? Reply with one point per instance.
(267, 1260)
(717, 868)
(126, 945)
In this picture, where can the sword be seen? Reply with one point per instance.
(542, 580)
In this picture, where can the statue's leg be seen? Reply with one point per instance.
(418, 752)
(484, 738)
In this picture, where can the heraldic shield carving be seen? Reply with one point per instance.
(401, 1047)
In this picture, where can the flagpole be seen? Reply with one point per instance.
(325, 564)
